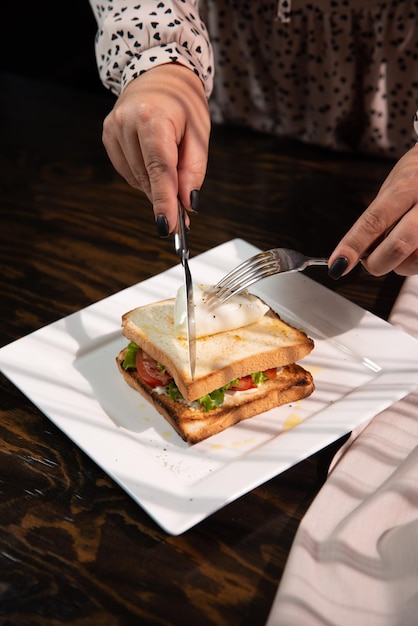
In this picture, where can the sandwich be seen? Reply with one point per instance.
(246, 361)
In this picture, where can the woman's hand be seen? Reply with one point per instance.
(157, 138)
(385, 237)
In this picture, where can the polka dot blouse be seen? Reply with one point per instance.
(342, 74)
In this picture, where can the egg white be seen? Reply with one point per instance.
(211, 317)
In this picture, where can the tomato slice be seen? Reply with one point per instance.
(149, 371)
(246, 382)
(271, 373)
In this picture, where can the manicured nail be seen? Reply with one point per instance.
(195, 200)
(338, 268)
(162, 225)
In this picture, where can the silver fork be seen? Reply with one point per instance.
(260, 266)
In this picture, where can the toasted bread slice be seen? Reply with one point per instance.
(194, 424)
(220, 358)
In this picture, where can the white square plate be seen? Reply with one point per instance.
(360, 363)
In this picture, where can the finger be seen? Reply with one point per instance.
(160, 160)
(398, 250)
(126, 160)
(409, 267)
(372, 226)
(193, 154)
(397, 196)
(191, 174)
(361, 237)
(147, 162)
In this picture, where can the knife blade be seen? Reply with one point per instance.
(182, 251)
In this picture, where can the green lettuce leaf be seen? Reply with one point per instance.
(130, 357)
(209, 401)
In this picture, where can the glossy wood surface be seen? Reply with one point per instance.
(75, 549)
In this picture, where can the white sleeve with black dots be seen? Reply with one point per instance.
(133, 36)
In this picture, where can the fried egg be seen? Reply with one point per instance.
(211, 317)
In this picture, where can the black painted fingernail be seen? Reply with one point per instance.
(162, 225)
(338, 268)
(195, 200)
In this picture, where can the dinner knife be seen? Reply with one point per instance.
(182, 250)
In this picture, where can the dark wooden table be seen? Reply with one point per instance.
(75, 549)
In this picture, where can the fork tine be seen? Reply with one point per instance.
(257, 267)
(256, 271)
(253, 261)
(260, 266)
(226, 293)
